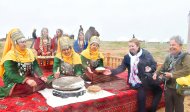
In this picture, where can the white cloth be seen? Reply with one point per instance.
(133, 78)
(55, 101)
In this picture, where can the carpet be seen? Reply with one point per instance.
(31, 103)
(124, 100)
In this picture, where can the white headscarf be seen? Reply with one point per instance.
(133, 78)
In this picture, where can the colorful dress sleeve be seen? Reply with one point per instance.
(11, 73)
(37, 69)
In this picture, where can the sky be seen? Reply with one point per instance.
(115, 20)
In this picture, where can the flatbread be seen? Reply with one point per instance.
(94, 88)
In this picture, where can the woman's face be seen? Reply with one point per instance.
(175, 48)
(58, 33)
(22, 44)
(67, 52)
(94, 47)
(81, 37)
(45, 33)
(133, 48)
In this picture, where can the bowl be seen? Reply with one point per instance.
(100, 69)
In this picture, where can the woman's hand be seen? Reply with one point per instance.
(39, 51)
(31, 82)
(89, 70)
(44, 78)
(56, 75)
(107, 72)
(48, 53)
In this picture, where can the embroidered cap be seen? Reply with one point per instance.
(65, 43)
(17, 35)
(94, 39)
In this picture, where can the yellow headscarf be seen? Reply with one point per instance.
(12, 51)
(74, 58)
(92, 55)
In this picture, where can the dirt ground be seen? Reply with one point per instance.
(186, 105)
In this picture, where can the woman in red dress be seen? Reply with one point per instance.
(44, 45)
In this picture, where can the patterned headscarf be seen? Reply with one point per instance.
(66, 38)
(65, 43)
(94, 39)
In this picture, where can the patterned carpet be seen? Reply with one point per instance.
(124, 101)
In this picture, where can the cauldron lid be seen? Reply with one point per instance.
(68, 83)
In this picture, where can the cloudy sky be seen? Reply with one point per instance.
(115, 20)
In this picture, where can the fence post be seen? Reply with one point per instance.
(108, 59)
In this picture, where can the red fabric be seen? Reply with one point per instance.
(31, 103)
(124, 101)
(54, 43)
(47, 71)
(98, 77)
(46, 65)
(26, 89)
(1, 82)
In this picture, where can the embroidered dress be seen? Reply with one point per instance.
(17, 66)
(43, 46)
(93, 59)
(67, 66)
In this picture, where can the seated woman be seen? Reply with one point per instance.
(92, 58)
(43, 45)
(19, 68)
(67, 62)
(80, 44)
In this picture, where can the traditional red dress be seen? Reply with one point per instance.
(44, 46)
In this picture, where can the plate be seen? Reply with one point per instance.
(100, 69)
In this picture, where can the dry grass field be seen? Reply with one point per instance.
(158, 50)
